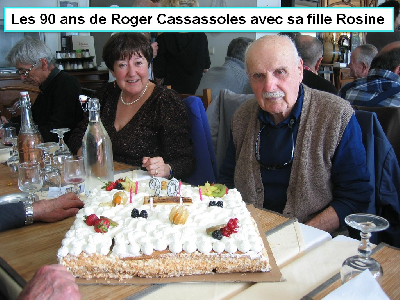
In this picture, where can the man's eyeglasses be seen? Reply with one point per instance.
(25, 73)
(257, 150)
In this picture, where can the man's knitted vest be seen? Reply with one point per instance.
(323, 120)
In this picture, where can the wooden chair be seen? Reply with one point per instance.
(10, 94)
(205, 98)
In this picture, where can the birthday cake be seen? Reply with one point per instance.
(153, 231)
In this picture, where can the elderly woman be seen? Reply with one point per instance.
(57, 104)
(147, 124)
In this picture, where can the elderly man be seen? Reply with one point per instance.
(360, 60)
(311, 52)
(57, 105)
(293, 149)
(382, 85)
(231, 75)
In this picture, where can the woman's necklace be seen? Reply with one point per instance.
(140, 97)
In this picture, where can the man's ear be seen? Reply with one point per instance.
(397, 70)
(300, 68)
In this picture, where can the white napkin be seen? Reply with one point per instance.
(363, 287)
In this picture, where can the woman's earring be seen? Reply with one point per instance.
(115, 84)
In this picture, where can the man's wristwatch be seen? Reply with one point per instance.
(28, 212)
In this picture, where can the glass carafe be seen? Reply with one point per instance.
(96, 149)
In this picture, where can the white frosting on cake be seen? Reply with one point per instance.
(137, 236)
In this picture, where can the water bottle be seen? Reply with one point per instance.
(29, 135)
(96, 149)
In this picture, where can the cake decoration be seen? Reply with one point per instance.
(178, 215)
(170, 240)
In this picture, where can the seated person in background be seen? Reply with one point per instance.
(14, 215)
(382, 85)
(232, 74)
(360, 60)
(293, 149)
(57, 105)
(381, 39)
(311, 51)
(182, 57)
(148, 124)
(51, 282)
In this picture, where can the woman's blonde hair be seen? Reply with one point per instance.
(179, 3)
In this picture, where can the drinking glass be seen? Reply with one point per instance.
(63, 151)
(355, 265)
(10, 137)
(30, 179)
(6, 133)
(51, 174)
(74, 172)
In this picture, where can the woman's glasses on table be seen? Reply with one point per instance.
(63, 151)
(9, 136)
(51, 174)
(74, 172)
(30, 179)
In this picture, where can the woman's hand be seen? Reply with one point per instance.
(156, 166)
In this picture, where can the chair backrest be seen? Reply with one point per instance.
(385, 178)
(205, 98)
(389, 118)
(10, 94)
(219, 114)
(206, 164)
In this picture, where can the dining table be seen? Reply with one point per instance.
(308, 259)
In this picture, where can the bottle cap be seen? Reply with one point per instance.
(83, 98)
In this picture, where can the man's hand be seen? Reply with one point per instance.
(327, 220)
(51, 282)
(56, 209)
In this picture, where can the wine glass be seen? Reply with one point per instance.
(10, 137)
(51, 174)
(6, 132)
(30, 179)
(74, 172)
(63, 151)
(355, 265)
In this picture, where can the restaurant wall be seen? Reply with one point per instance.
(218, 41)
